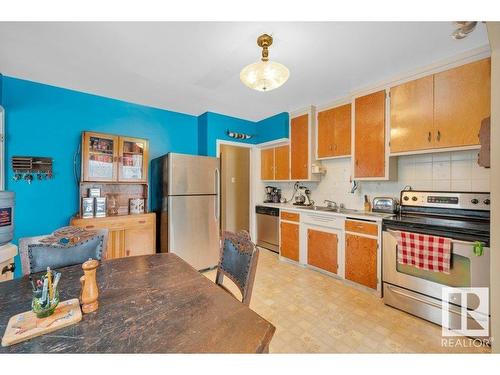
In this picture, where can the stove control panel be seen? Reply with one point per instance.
(441, 199)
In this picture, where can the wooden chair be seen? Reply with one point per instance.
(238, 261)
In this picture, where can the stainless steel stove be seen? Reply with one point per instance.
(462, 217)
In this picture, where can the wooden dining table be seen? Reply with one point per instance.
(147, 304)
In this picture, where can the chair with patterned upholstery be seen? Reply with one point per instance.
(238, 261)
(38, 253)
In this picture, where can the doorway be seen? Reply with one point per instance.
(235, 188)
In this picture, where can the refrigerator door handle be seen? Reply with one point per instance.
(217, 192)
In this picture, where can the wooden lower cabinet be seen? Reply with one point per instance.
(128, 235)
(289, 243)
(361, 260)
(322, 250)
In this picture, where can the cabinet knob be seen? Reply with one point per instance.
(142, 221)
(429, 137)
(438, 137)
(89, 226)
(127, 252)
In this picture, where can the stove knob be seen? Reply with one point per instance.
(414, 199)
(474, 201)
(487, 201)
(406, 197)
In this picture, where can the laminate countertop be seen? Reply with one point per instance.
(347, 213)
(147, 304)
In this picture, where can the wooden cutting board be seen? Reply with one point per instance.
(26, 325)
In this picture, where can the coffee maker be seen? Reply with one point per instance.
(269, 194)
(276, 195)
(273, 195)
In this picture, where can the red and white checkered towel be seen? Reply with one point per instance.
(431, 253)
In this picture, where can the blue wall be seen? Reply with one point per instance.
(213, 126)
(43, 120)
(271, 128)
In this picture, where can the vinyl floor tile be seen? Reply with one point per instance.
(316, 313)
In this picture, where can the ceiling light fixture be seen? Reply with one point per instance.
(264, 75)
(464, 28)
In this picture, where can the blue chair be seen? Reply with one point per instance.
(36, 256)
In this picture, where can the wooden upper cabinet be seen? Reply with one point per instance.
(322, 250)
(299, 147)
(99, 157)
(133, 160)
(342, 131)
(334, 132)
(111, 158)
(267, 164)
(412, 115)
(282, 163)
(361, 260)
(369, 136)
(325, 133)
(461, 102)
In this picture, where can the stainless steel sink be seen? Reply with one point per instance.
(345, 211)
(330, 209)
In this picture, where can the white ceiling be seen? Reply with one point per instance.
(193, 67)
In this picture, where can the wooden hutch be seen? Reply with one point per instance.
(118, 166)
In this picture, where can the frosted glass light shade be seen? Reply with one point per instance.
(264, 75)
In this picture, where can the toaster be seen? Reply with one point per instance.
(385, 204)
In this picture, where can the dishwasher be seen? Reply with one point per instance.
(268, 223)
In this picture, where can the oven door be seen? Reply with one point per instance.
(466, 269)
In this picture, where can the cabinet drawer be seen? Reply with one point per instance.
(361, 227)
(323, 220)
(290, 216)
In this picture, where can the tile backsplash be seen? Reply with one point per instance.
(453, 171)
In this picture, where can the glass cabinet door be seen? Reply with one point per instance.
(133, 160)
(100, 152)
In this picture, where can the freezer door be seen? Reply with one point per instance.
(192, 175)
(193, 229)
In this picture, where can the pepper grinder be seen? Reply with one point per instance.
(90, 292)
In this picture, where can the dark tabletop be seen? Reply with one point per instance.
(147, 304)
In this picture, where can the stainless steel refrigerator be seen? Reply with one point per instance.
(185, 195)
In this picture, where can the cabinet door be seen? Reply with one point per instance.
(322, 250)
(267, 164)
(116, 244)
(325, 133)
(412, 115)
(369, 138)
(461, 102)
(282, 163)
(133, 160)
(139, 241)
(299, 146)
(99, 156)
(289, 241)
(342, 131)
(361, 260)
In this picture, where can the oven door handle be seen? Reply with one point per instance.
(430, 303)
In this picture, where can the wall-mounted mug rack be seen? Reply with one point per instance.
(29, 168)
